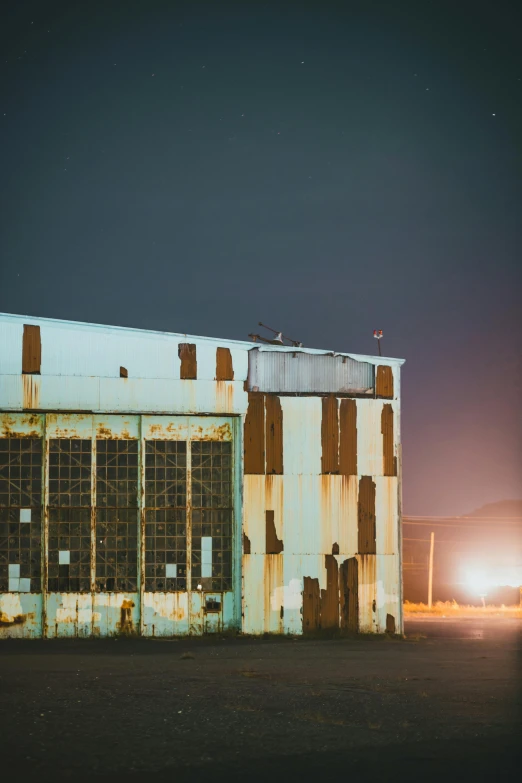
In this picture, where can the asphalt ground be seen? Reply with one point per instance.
(445, 702)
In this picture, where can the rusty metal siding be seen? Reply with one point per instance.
(384, 382)
(274, 435)
(366, 517)
(312, 518)
(274, 545)
(279, 372)
(254, 435)
(330, 435)
(348, 437)
(189, 365)
(349, 594)
(224, 366)
(389, 458)
(95, 610)
(31, 349)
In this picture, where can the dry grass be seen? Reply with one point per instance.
(453, 609)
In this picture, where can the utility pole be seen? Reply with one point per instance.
(430, 573)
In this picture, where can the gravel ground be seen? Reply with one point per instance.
(444, 701)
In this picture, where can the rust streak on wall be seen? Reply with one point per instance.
(6, 622)
(330, 596)
(389, 461)
(31, 350)
(246, 544)
(189, 365)
(274, 435)
(311, 604)
(384, 382)
(366, 516)
(224, 368)
(349, 590)
(254, 440)
(348, 438)
(31, 392)
(330, 436)
(274, 545)
(125, 624)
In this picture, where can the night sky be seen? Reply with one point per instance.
(329, 169)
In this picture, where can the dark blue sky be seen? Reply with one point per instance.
(326, 168)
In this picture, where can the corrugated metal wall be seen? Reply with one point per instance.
(284, 372)
(324, 521)
(316, 491)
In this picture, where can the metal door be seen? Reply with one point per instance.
(117, 524)
(191, 562)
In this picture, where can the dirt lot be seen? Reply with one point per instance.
(443, 702)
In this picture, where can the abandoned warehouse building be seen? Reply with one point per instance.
(161, 484)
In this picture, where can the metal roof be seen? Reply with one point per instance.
(246, 344)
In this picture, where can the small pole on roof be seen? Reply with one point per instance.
(377, 333)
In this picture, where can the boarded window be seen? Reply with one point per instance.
(224, 368)
(31, 350)
(330, 436)
(366, 516)
(348, 438)
(274, 545)
(389, 460)
(254, 440)
(189, 365)
(384, 382)
(274, 435)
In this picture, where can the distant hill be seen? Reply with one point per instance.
(502, 508)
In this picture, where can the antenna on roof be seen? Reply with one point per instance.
(377, 333)
(277, 340)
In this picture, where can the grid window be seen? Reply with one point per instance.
(20, 514)
(165, 515)
(69, 566)
(211, 515)
(117, 515)
(70, 475)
